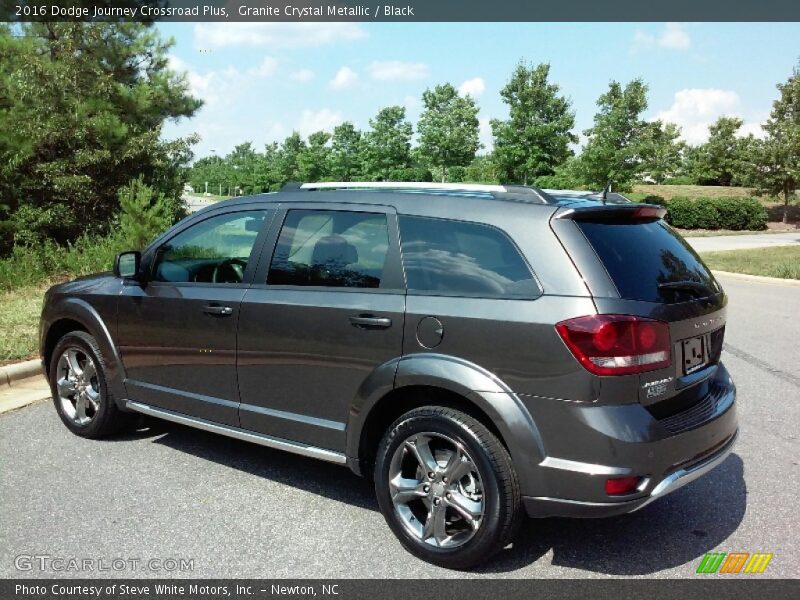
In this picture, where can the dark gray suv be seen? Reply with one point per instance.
(479, 350)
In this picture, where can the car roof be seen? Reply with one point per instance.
(414, 197)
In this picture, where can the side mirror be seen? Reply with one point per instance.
(126, 264)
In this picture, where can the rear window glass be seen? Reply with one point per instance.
(649, 261)
(463, 259)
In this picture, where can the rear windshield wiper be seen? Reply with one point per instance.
(700, 289)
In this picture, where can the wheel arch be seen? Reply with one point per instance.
(75, 314)
(423, 379)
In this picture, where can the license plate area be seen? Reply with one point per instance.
(694, 354)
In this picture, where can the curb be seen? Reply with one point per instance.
(10, 374)
(759, 278)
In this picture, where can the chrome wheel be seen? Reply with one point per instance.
(436, 490)
(77, 386)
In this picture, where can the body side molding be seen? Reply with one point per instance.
(239, 434)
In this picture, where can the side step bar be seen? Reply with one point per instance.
(239, 434)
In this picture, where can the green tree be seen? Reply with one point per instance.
(537, 136)
(81, 113)
(144, 213)
(314, 161)
(778, 156)
(612, 152)
(448, 128)
(723, 159)
(289, 155)
(388, 144)
(347, 152)
(661, 151)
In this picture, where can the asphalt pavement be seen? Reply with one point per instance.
(713, 243)
(239, 510)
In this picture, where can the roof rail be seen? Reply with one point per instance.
(403, 185)
(511, 193)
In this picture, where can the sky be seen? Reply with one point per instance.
(261, 81)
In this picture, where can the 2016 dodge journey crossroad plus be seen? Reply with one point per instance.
(480, 351)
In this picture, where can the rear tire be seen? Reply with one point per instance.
(453, 521)
(80, 392)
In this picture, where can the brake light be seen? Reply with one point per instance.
(617, 344)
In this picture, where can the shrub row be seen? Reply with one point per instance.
(47, 262)
(736, 214)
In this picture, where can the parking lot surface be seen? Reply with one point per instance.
(239, 510)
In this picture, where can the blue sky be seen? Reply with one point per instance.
(261, 81)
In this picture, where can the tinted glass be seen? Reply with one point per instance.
(330, 248)
(644, 258)
(213, 251)
(459, 258)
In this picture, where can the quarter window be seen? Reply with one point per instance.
(465, 259)
(216, 250)
(330, 248)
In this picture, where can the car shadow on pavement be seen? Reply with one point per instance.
(311, 475)
(671, 532)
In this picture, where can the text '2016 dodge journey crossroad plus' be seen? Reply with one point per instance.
(478, 350)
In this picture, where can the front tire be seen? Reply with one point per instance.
(80, 392)
(447, 487)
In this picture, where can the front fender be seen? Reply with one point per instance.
(477, 385)
(79, 310)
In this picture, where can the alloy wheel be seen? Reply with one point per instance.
(436, 490)
(78, 386)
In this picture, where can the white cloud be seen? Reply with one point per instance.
(267, 68)
(397, 70)
(216, 85)
(275, 35)
(344, 78)
(694, 110)
(302, 75)
(472, 87)
(673, 37)
(318, 120)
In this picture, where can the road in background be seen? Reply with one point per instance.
(713, 243)
(240, 510)
(195, 203)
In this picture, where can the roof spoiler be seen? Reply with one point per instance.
(611, 212)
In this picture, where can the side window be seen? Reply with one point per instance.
(466, 259)
(213, 251)
(330, 248)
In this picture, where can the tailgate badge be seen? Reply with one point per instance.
(656, 388)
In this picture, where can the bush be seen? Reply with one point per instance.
(716, 213)
(741, 213)
(681, 180)
(145, 214)
(33, 265)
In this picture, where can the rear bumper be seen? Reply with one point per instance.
(542, 506)
(585, 445)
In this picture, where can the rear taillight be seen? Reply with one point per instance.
(617, 344)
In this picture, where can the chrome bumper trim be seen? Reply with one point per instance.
(681, 477)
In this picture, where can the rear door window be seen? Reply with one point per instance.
(331, 249)
(464, 259)
(649, 261)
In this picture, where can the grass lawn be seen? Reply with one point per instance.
(783, 261)
(694, 191)
(19, 322)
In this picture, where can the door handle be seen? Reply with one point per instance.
(370, 322)
(218, 311)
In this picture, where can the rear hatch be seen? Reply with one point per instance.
(636, 265)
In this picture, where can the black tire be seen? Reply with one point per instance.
(501, 495)
(108, 418)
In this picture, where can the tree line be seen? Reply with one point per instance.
(536, 144)
(82, 107)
